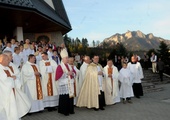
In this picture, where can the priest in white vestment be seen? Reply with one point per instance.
(14, 103)
(92, 92)
(11, 65)
(83, 71)
(48, 69)
(126, 91)
(137, 74)
(112, 86)
(32, 84)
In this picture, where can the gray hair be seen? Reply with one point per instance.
(7, 52)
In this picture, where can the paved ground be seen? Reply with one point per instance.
(154, 105)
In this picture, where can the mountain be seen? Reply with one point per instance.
(134, 41)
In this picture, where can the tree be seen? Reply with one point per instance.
(112, 54)
(97, 42)
(121, 50)
(94, 44)
(67, 40)
(163, 52)
(85, 42)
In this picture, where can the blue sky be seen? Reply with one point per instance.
(99, 19)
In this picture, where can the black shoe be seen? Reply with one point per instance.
(129, 101)
(40, 112)
(138, 97)
(50, 110)
(96, 109)
(102, 108)
(72, 113)
(54, 109)
(29, 114)
(66, 114)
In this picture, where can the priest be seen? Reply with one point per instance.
(83, 71)
(112, 86)
(92, 92)
(48, 69)
(65, 77)
(15, 70)
(137, 74)
(32, 84)
(14, 103)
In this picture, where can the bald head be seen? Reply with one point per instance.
(4, 60)
(87, 59)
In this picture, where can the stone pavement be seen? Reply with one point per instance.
(154, 105)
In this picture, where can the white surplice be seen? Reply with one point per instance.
(136, 72)
(126, 83)
(14, 104)
(29, 87)
(49, 101)
(111, 94)
(82, 73)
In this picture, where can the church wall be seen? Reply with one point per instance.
(54, 37)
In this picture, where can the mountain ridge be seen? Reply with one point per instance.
(134, 41)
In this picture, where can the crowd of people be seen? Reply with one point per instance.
(37, 77)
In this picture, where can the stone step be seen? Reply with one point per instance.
(153, 90)
(151, 81)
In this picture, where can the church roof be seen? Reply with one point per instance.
(57, 15)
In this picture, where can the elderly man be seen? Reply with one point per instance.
(83, 71)
(137, 74)
(65, 78)
(12, 66)
(48, 69)
(14, 104)
(92, 92)
(32, 84)
(112, 87)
